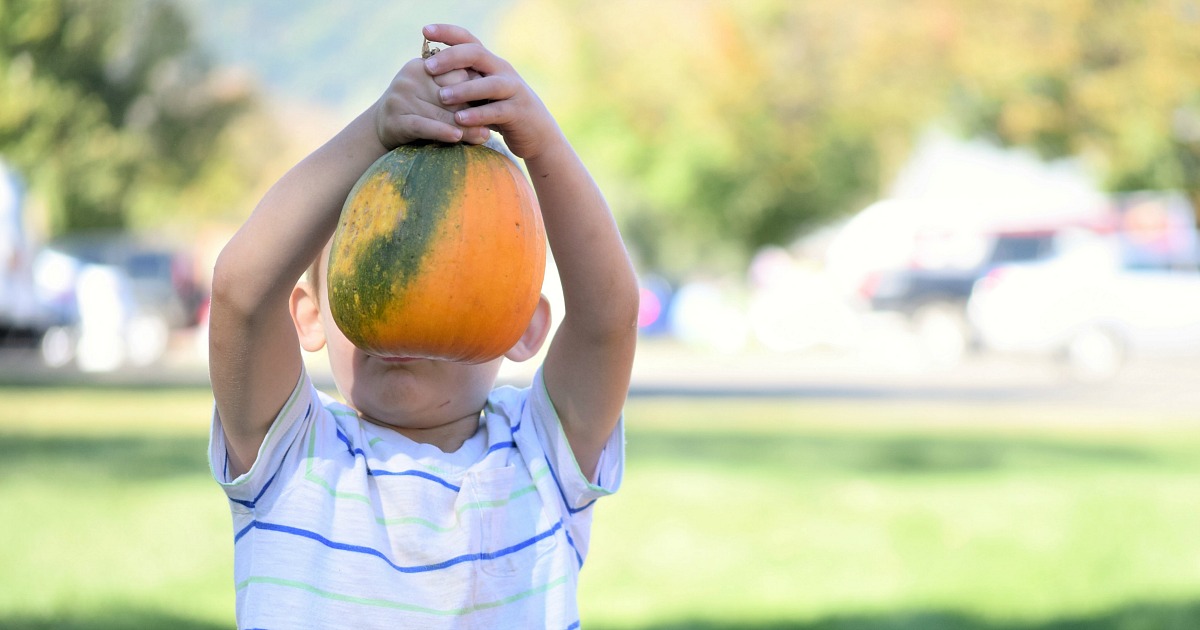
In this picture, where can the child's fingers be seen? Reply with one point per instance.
(453, 77)
(491, 114)
(399, 102)
(400, 122)
(448, 34)
(489, 88)
(466, 56)
(476, 135)
(421, 128)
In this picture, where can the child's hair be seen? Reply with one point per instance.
(313, 275)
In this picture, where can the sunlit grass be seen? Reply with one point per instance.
(734, 513)
(813, 512)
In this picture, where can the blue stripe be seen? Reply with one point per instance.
(513, 428)
(350, 447)
(413, 473)
(563, 494)
(571, 541)
(574, 626)
(251, 503)
(499, 447)
(304, 533)
(355, 452)
(246, 530)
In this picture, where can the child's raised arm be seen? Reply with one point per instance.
(254, 353)
(587, 368)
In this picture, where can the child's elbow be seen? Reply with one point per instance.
(621, 321)
(232, 292)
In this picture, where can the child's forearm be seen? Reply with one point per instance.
(589, 362)
(599, 284)
(254, 354)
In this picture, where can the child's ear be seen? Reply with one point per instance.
(306, 314)
(535, 333)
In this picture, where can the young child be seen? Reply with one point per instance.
(428, 499)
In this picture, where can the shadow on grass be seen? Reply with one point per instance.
(126, 457)
(115, 620)
(921, 454)
(1136, 617)
(1184, 616)
(120, 457)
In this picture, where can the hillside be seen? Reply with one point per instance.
(336, 54)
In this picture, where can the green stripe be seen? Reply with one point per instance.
(348, 413)
(387, 603)
(478, 505)
(311, 476)
(301, 384)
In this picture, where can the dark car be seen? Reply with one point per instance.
(933, 300)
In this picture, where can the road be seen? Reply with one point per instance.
(665, 369)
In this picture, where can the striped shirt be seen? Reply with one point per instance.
(344, 524)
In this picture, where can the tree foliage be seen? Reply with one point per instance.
(115, 117)
(1116, 83)
(720, 127)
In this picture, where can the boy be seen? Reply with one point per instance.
(427, 500)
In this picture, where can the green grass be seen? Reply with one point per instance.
(763, 514)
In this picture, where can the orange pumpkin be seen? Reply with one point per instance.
(439, 253)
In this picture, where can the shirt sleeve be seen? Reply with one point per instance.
(578, 491)
(286, 430)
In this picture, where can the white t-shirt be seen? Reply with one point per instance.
(344, 524)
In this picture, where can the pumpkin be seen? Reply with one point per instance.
(439, 253)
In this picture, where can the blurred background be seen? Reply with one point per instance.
(903, 183)
(881, 244)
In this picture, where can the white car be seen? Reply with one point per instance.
(1090, 310)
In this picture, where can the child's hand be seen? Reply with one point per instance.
(491, 94)
(412, 110)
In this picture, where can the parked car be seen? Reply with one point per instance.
(1089, 308)
(116, 300)
(932, 296)
(23, 318)
(161, 276)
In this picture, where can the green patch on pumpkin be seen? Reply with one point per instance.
(428, 179)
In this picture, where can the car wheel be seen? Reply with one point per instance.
(58, 347)
(1094, 354)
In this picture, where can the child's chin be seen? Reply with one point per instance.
(399, 359)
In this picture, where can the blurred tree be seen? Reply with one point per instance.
(720, 127)
(117, 119)
(1117, 83)
(708, 143)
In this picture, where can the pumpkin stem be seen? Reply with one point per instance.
(428, 51)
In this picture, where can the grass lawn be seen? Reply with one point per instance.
(760, 514)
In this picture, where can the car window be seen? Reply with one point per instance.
(1021, 248)
(150, 265)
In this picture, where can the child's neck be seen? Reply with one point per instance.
(448, 437)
